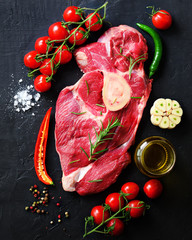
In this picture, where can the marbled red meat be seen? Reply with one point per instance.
(73, 132)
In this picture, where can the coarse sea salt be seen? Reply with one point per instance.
(25, 99)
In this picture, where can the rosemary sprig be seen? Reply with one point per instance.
(101, 137)
(132, 61)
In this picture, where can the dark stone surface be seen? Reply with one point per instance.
(169, 216)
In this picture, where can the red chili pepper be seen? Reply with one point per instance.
(40, 151)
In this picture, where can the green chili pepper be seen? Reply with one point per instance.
(158, 47)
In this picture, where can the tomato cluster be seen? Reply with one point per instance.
(123, 205)
(56, 49)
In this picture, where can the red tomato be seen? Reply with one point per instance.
(136, 208)
(162, 20)
(130, 188)
(41, 45)
(99, 214)
(153, 188)
(72, 14)
(115, 200)
(79, 37)
(47, 67)
(40, 83)
(58, 32)
(94, 23)
(117, 226)
(29, 60)
(63, 56)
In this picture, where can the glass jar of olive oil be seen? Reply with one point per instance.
(155, 156)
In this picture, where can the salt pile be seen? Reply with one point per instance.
(24, 99)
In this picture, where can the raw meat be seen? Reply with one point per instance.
(110, 56)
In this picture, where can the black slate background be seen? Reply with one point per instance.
(22, 21)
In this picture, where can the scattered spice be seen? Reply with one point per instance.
(25, 99)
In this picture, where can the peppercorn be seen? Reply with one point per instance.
(45, 199)
(35, 186)
(38, 211)
(51, 222)
(46, 195)
(43, 211)
(66, 214)
(58, 204)
(26, 208)
(59, 220)
(59, 216)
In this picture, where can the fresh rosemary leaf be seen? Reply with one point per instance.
(80, 113)
(101, 137)
(96, 180)
(101, 113)
(135, 97)
(87, 87)
(100, 105)
(84, 152)
(74, 161)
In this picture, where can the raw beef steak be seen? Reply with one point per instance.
(92, 151)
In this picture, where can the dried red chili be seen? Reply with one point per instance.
(40, 151)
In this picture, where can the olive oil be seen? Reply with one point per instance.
(155, 156)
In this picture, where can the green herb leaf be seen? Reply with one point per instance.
(101, 137)
(87, 87)
(74, 161)
(80, 113)
(100, 105)
(96, 180)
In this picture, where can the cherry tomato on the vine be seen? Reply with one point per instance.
(99, 214)
(162, 20)
(63, 56)
(72, 14)
(115, 201)
(94, 23)
(117, 226)
(58, 32)
(136, 208)
(40, 83)
(153, 188)
(41, 45)
(30, 61)
(79, 37)
(47, 67)
(130, 188)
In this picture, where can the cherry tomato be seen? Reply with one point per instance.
(130, 188)
(153, 188)
(63, 56)
(118, 226)
(162, 20)
(41, 45)
(79, 37)
(29, 60)
(72, 14)
(136, 208)
(94, 23)
(99, 214)
(58, 32)
(40, 83)
(47, 67)
(115, 200)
